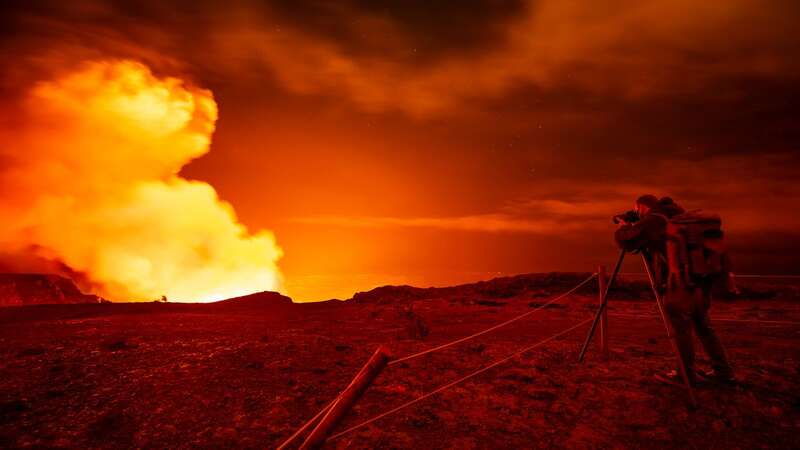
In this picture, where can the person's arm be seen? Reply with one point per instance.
(628, 236)
(628, 232)
(633, 236)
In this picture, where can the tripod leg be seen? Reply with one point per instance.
(670, 332)
(602, 305)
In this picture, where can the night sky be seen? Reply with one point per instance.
(431, 142)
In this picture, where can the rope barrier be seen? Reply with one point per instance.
(736, 275)
(774, 322)
(443, 346)
(500, 325)
(765, 276)
(514, 355)
(511, 356)
(458, 381)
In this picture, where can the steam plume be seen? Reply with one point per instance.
(90, 180)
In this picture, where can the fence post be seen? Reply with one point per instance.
(347, 399)
(602, 279)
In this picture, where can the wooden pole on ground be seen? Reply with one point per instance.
(603, 303)
(601, 281)
(347, 399)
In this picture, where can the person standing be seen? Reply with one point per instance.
(687, 294)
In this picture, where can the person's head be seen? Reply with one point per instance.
(645, 203)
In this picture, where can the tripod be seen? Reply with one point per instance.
(659, 301)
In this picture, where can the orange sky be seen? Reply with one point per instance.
(403, 142)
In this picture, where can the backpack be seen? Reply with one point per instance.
(696, 246)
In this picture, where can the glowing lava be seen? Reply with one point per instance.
(91, 181)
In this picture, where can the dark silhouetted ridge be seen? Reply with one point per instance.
(259, 300)
(21, 289)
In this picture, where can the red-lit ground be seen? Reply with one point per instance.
(247, 375)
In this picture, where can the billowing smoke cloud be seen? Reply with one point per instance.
(90, 180)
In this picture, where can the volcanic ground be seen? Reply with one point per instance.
(248, 372)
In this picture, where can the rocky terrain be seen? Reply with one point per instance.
(248, 372)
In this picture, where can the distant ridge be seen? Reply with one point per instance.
(265, 299)
(20, 289)
(542, 284)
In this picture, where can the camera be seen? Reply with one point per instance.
(630, 216)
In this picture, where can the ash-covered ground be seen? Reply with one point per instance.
(248, 372)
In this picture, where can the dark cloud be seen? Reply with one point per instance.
(433, 29)
(430, 57)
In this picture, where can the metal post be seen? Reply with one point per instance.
(601, 281)
(603, 303)
(347, 399)
(670, 333)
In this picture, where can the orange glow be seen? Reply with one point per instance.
(96, 187)
(398, 143)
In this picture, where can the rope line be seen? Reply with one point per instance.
(735, 275)
(308, 424)
(458, 381)
(441, 347)
(722, 319)
(492, 328)
(765, 276)
(509, 357)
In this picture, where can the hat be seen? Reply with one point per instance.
(647, 200)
